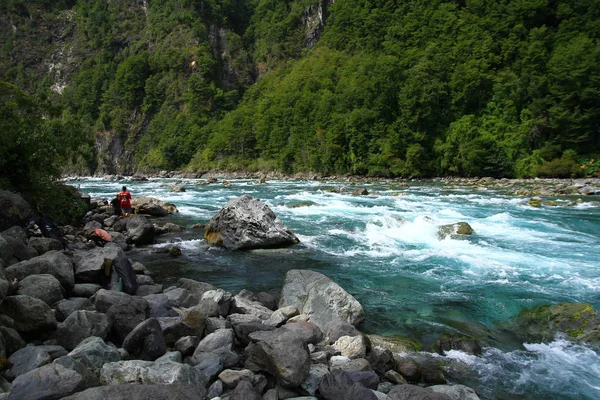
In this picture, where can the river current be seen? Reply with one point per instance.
(384, 249)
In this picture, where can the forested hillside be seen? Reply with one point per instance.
(384, 88)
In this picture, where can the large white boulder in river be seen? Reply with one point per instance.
(247, 223)
(320, 298)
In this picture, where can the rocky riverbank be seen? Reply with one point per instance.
(66, 333)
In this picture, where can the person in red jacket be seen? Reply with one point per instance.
(125, 199)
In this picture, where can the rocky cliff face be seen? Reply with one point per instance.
(314, 22)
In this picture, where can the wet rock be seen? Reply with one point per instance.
(465, 344)
(455, 230)
(247, 223)
(456, 392)
(315, 294)
(410, 370)
(360, 192)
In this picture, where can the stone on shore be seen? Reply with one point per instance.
(316, 295)
(44, 287)
(52, 381)
(152, 206)
(89, 264)
(54, 263)
(137, 391)
(140, 230)
(14, 210)
(29, 314)
(81, 325)
(247, 223)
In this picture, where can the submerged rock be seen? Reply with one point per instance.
(247, 223)
(455, 230)
(579, 321)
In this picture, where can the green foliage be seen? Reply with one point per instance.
(564, 167)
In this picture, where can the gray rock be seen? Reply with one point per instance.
(455, 230)
(126, 316)
(280, 316)
(54, 263)
(368, 379)
(213, 324)
(85, 289)
(210, 365)
(245, 303)
(339, 385)
(12, 340)
(140, 230)
(55, 351)
(66, 307)
(89, 264)
(173, 356)
(44, 287)
(352, 346)
(456, 392)
(267, 300)
(411, 370)
(346, 364)
(43, 244)
(245, 391)
(105, 299)
(160, 306)
(29, 314)
(149, 373)
(247, 223)
(21, 251)
(174, 328)
(219, 343)
(14, 210)
(146, 290)
(245, 324)
(187, 344)
(81, 325)
(3, 288)
(215, 390)
(90, 378)
(152, 206)
(94, 353)
(281, 354)
(195, 288)
(27, 359)
(394, 377)
(231, 378)
(135, 391)
(413, 392)
(6, 252)
(144, 280)
(218, 297)
(382, 360)
(465, 344)
(146, 341)
(315, 294)
(313, 380)
(52, 381)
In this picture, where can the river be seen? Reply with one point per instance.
(384, 249)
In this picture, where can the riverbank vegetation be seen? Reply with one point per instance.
(418, 89)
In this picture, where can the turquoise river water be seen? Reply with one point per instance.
(384, 249)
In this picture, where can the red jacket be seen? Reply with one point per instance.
(125, 198)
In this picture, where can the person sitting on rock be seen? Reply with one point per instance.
(125, 198)
(100, 237)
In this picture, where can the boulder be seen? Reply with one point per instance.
(140, 230)
(186, 345)
(456, 392)
(27, 359)
(281, 315)
(54, 263)
(14, 210)
(149, 373)
(17, 233)
(55, 351)
(29, 314)
(313, 380)
(126, 316)
(247, 223)
(94, 353)
(80, 325)
(245, 391)
(105, 299)
(146, 341)
(455, 230)
(66, 307)
(90, 378)
(410, 370)
(195, 288)
(219, 344)
(43, 244)
(4, 285)
(231, 378)
(346, 364)
(174, 328)
(316, 295)
(339, 385)
(245, 324)
(136, 391)
(281, 354)
(579, 321)
(448, 342)
(52, 381)
(152, 206)
(245, 303)
(44, 287)
(382, 360)
(218, 301)
(85, 289)
(21, 251)
(89, 265)
(12, 340)
(6, 251)
(413, 392)
(352, 346)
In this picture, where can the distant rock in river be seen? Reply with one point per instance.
(247, 223)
